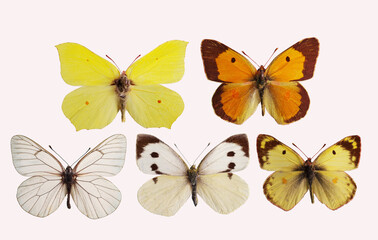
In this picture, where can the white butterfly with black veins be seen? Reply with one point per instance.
(49, 182)
(213, 180)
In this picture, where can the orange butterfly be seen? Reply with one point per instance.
(243, 87)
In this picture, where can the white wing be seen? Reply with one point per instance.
(30, 159)
(41, 195)
(223, 192)
(95, 196)
(156, 157)
(106, 159)
(230, 155)
(164, 195)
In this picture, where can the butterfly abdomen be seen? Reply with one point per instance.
(68, 179)
(192, 176)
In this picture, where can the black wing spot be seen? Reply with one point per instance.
(287, 59)
(230, 154)
(231, 165)
(154, 167)
(333, 152)
(154, 154)
(233, 60)
(284, 152)
(230, 175)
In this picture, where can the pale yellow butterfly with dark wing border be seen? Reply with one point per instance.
(49, 182)
(324, 177)
(213, 180)
(105, 90)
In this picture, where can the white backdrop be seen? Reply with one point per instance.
(341, 92)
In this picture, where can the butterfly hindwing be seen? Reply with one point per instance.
(285, 189)
(295, 63)
(236, 102)
(223, 192)
(333, 188)
(164, 195)
(223, 64)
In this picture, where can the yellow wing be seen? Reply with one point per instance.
(164, 64)
(91, 107)
(223, 192)
(164, 195)
(81, 67)
(342, 156)
(333, 188)
(154, 105)
(275, 156)
(286, 189)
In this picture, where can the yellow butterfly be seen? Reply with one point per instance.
(106, 90)
(324, 177)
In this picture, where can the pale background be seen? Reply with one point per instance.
(342, 94)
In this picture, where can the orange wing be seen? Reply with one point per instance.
(236, 102)
(286, 102)
(295, 63)
(222, 64)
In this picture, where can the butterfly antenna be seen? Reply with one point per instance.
(183, 157)
(270, 57)
(201, 153)
(58, 155)
(301, 151)
(73, 164)
(250, 58)
(319, 150)
(113, 62)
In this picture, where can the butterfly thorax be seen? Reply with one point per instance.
(122, 87)
(192, 176)
(68, 178)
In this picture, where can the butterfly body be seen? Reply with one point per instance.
(122, 87)
(212, 179)
(68, 179)
(324, 177)
(244, 87)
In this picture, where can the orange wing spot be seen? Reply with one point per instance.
(284, 180)
(235, 93)
(335, 180)
(86, 103)
(87, 59)
(287, 95)
(159, 101)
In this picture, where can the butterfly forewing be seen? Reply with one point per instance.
(156, 157)
(342, 156)
(30, 159)
(230, 155)
(275, 156)
(295, 63)
(106, 159)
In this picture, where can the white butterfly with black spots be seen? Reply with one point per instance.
(213, 180)
(49, 182)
